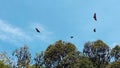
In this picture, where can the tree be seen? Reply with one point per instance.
(98, 52)
(116, 52)
(60, 55)
(5, 59)
(23, 57)
(39, 60)
(85, 63)
(115, 64)
(3, 65)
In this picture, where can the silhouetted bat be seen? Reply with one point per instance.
(37, 30)
(95, 18)
(71, 36)
(94, 30)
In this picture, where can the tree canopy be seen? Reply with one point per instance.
(61, 54)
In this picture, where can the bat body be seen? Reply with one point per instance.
(95, 18)
(71, 37)
(37, 30)
(94, 30)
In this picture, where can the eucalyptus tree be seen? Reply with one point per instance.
(23, 57)
(98, 52)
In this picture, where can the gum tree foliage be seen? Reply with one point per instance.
(5, 58)
(98, 52)
(23, 57)
(60, 55)
(115, 64)
(3, 65)
(39, 60)
(116, 53)
(84, 62)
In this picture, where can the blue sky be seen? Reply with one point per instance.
(57, 20)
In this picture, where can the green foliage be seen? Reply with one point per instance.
(116, 52)
(5, 58)
(62, 54)
(85, 63)
(98, 52)
(2, 65)
(115, 64)
(99, 43)
(39, 60)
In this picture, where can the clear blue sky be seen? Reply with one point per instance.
(57, 20)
